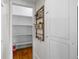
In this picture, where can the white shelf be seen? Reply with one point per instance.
(22, 16)
(22, 25)
(23, 35)
(23, 43)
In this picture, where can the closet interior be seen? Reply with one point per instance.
(22, 12)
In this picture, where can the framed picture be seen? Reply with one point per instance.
(40, 24)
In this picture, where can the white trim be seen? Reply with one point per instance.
(11, 46)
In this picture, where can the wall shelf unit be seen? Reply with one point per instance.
(22, 25)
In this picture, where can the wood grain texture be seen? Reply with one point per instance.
(25, 53)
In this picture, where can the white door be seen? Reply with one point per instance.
(61, 28)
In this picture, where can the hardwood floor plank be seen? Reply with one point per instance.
(25, 53)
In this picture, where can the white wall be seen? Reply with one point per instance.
(26, 3)
(39, 4)
(23, 20)
(40, 47)
(22, 11)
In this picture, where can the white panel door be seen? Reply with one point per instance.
(61, 28)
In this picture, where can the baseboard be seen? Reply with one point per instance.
(23, 46)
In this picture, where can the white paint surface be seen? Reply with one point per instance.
(22, 11)
(26, 3)
(39, 4)
(40, 49)
(22, 20)
(60, 30)
(5, 30)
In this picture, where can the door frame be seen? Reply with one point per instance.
(33, 30)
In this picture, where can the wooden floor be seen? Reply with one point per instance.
(25, 53)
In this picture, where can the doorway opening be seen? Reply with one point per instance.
(22, 14)
(24, 28)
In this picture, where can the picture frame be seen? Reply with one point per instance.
(40, 24)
